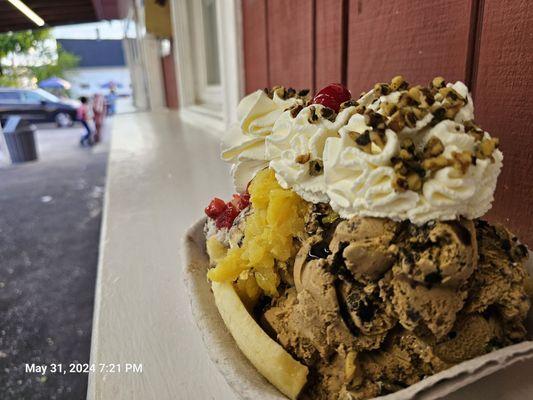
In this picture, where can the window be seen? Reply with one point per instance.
(31, 98)
(207, 61)
(9, 97)
(46, 95)
(207, 40)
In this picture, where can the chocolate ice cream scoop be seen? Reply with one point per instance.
(378, 305)
(499, 282)
(366, 308)
(366, 245)
(472, 336)
(418, 305)
(439, 253)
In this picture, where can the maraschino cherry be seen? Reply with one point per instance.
(332, 96)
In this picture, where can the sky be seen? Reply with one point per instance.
(104, 29)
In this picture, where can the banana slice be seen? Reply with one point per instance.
(270, 359)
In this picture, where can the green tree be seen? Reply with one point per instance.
(65, 60)
(47, 61)
(21, 43)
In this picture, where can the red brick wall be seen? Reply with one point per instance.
(486, 43)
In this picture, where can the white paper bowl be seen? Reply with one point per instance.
(248, 383)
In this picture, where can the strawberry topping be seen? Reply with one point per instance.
(225, 213)
(215, 208)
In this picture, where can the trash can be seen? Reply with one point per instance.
(20, 139)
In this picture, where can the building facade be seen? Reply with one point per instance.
(102, 66)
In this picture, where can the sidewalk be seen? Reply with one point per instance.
(50, 214)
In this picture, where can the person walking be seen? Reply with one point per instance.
(111, 101)
(83, 115)
(99, 112)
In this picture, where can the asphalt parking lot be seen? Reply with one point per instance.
(50, 213)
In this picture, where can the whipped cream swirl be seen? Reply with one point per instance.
(399, 152)
(296, 148)
(244, 143)
(363, 182)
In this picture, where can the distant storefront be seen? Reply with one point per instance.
(102, 66)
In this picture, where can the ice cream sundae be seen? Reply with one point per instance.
(353, 261)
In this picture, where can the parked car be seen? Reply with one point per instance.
(37, 106)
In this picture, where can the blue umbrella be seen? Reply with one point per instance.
(111, 84)
(54, 83)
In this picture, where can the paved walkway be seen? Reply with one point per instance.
(50, 214)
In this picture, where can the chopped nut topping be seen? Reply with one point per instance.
(313, 117)
(349, 103)
(410, 118)
(438, 115)
(433, 148)
(388, 108)
(405, 155)
(429, 99)
(399, 83)
(285, 94)
(473, 130)
(279, 91)
(374, 119)
(295, 110)
(381, 89)
(435, 163)
(412, 165)
(328, 113)
(360, 109)
(438, 82)
(290, 93)
(461, 161)
(399, 166)
(303, 158)
(414, 182)
(415, 93)
(316, 167)
(378, 138)
(396, 122)
(408, 144)
(363, 139)
(406, 100)
(486, 148)
(400, 183)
